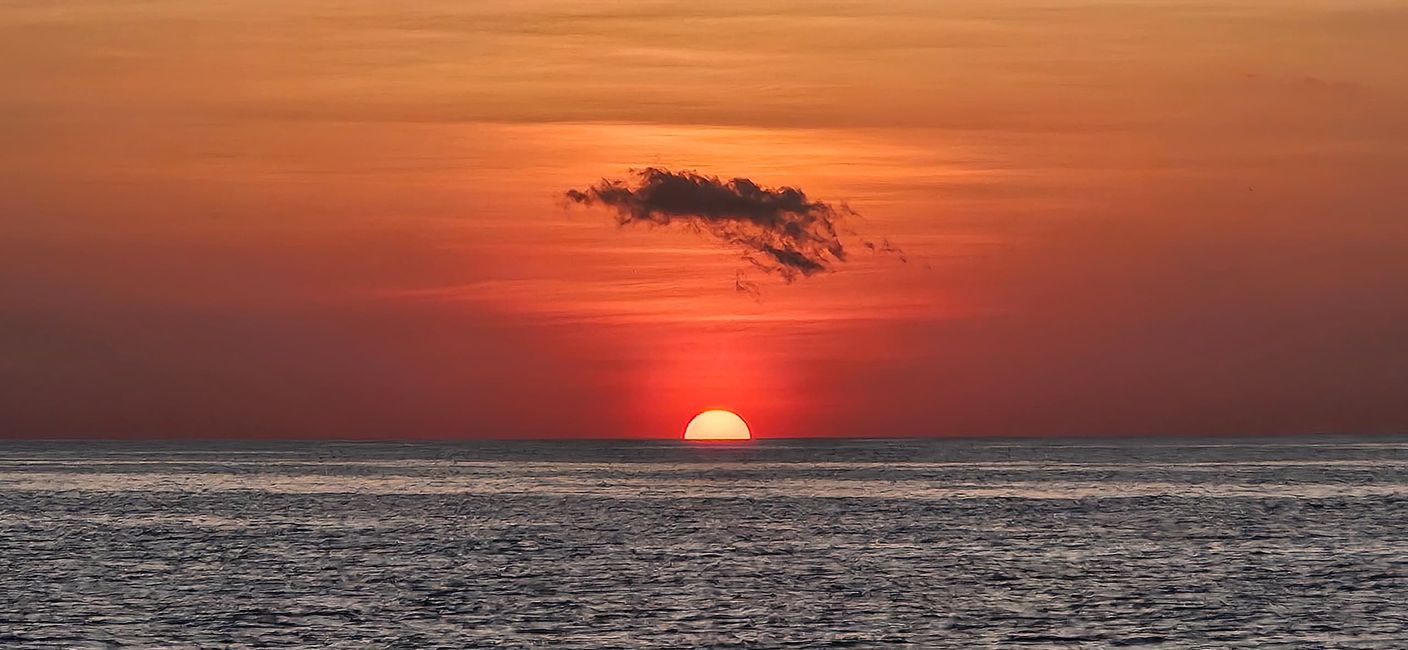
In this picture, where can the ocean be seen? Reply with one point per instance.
(775, 543)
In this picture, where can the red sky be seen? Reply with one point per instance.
(345, 219)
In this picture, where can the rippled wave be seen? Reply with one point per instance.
(875, 543)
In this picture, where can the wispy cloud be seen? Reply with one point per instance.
(779, 230)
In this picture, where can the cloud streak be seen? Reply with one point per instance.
(779, 230)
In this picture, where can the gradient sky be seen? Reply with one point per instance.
(345, 219)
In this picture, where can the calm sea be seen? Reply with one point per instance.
(863, 543)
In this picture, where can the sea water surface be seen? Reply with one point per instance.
(808, 543)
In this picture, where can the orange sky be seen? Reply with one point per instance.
(309, 218)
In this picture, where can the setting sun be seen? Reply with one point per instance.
(717, 424)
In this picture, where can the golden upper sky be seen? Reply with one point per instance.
(309, 217)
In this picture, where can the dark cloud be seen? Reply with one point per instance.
(778, 229)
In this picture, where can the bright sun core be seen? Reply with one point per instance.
(717, 424)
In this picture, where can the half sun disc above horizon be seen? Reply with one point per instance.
(717, 424)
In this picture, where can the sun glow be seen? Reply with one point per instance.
(717, 424)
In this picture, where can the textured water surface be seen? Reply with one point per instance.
(1296, 543)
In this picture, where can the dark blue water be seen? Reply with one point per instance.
(1296, 543)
